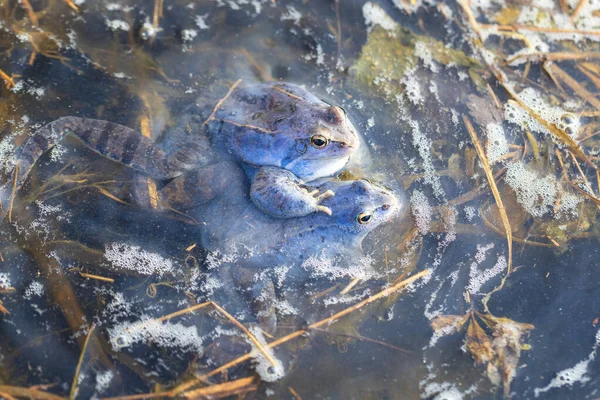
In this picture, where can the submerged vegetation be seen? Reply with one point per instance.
(484, 112)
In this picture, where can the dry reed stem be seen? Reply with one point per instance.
(585, 180)
(27, 6)
(181, 389)
(231, 89)
(519, 27)
(294, 393)
(474, 193)
(591, 76)
(559, 134)
(107, 194)
(223, 390)
(487, 223)
(73, 391)
(10, 82)
(558, 56)
(72, 5)
(29, 393)
(158, 12)
(190, 248)
(352, 283)
(217, 391)
(555, 131)
(248, 126)
(247, 332)
(580, 6)
(493, 187)
(384, 293)
(586, 194)
(574, 85)
(562, 165)
(7, 396)
(96, 277)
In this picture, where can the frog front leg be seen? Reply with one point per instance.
(281, 194)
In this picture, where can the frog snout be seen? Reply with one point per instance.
(391, 204)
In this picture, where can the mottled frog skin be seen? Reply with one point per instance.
(280, 126)
(236, 229)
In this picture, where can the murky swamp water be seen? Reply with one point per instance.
(481, 116)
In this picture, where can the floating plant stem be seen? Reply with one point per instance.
(73, 392)
(493, 187)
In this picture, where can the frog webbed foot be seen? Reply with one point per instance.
(281, 194)
(316, 197)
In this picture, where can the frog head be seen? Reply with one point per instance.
(284, 125)
(359, 206)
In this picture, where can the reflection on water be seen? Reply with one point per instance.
(480, 117)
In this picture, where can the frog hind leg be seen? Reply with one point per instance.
(260, 294)
(281, 194)
(116, 142)
(190, 190)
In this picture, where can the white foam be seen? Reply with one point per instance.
(421, 210)
(134, 258)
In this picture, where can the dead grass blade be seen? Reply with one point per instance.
(363, 339)
(231, 89)
(352, 283)
(96, 277)
(10, 82)
(222, 390)
(294, 393)
(73, 391)
(580, 6)
(574, 85)
(493, 187)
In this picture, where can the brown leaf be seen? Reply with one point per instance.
(507, 343)
(479, 344)
(448, 324)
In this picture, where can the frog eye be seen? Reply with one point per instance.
(319, 141)
(364, 217)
